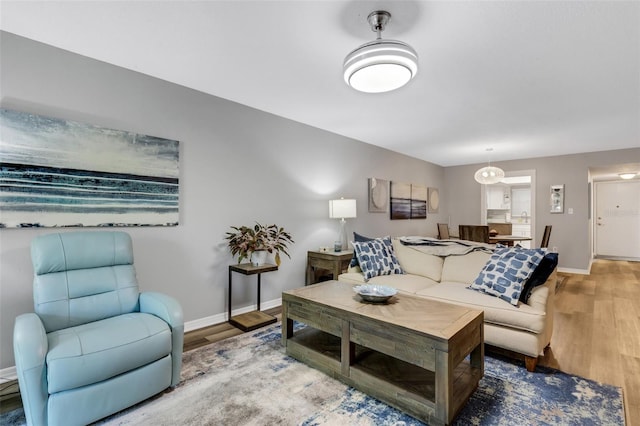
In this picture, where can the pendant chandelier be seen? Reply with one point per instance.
(380, 65)
(489, 174)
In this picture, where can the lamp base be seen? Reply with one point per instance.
(342, 243)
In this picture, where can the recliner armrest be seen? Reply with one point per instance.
(162, 306)
(168, 309)
(30, 347)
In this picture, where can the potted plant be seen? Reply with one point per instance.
(245, 240)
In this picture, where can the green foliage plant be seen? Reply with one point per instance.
(244, 240)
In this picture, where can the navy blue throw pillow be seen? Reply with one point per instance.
(539, 275)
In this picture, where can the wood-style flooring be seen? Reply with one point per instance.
(596, 332)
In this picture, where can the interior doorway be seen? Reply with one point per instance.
(512, 201)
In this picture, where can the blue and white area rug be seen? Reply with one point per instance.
(248, 380)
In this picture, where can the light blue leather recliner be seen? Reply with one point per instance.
(95, 345)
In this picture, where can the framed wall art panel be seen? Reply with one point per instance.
(378, 195)
(434, 200)
(557, 199)
(60, 173)
(418, 201)
(400, 200)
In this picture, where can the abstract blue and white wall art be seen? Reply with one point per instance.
(59, 173)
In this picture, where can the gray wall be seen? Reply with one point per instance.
(570, 233)
(237, 165)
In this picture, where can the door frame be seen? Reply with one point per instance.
(515, 173)
(594, 218)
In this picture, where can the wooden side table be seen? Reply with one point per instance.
(334, 262)
(254, 319)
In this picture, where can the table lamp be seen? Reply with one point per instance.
(342, 209)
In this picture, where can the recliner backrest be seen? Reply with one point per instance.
(82, 277)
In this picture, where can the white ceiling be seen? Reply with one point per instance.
(528, 78)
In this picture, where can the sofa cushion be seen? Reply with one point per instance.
(78, 355)
(417, 262)
(376, 257)
(464, 269)
(505, 273)
(496, 311)
(539, 275)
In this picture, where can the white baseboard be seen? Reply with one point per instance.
(220, 318)
(8, 374)
(576, 271)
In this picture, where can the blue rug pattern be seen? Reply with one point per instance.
(507, 395)
(218, 387)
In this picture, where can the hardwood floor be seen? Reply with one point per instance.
(204, 336)
(596, 331)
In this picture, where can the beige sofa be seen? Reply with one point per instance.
(525, 329)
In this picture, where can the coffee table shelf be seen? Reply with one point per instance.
(420, 365)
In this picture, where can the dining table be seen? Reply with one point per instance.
(507, 240)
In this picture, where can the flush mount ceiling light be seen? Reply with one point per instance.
(381, 65)
(489, 175)
(627, 175)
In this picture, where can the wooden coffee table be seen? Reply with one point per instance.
(410, 353)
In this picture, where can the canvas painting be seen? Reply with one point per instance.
(59, 173)
(418, 201)
(434, 200)
(378, 195)
(400, 196)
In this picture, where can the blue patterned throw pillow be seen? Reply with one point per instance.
(506, 272)
(359, 239)
(376, 257)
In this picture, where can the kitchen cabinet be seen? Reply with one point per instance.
(522, 230)
(498, 197)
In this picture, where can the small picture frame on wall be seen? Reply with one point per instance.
(557, 198)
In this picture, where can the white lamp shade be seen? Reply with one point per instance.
(489, 175)
(380, 66)
(342, 209)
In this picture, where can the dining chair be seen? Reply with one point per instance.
(545, 237)
(443, 231)
(502, 228)
(479, 233)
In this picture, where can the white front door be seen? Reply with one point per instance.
(617, 219)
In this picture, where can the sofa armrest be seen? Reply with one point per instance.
(543, 299)
(539, 298)
(30, 346)
(542, 295)
(168, 309)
